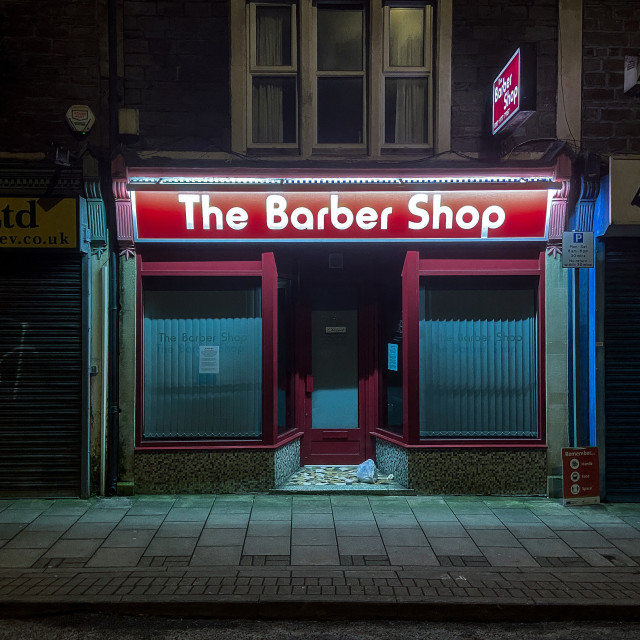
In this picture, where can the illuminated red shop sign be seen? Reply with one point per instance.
(514, 91)
(341, 216)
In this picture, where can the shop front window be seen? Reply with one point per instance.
(478, 358)
(202, 358)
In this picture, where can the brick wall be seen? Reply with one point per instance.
(485, 35)
(49, 60)
(176, 65)
(610, 119)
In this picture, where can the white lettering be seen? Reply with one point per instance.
(237, 218)
(188, 200)
(337, 211)
(367, 218)
(306, 223)
(472, 211)
(487, 223)
(207, 210)
(415, 210)
(439, 210)
(321, 214)
(277, 218)
(384, 218)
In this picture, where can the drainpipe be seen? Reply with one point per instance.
(114, 391)
(114, 406)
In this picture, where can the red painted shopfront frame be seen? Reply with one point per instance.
(414, 269)
(267, 271)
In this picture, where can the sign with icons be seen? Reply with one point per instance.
(580, 476)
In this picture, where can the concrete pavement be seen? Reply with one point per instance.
(332, 555)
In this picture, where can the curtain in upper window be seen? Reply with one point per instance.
(273, 82)
(273, 36)
(406, 104)
(406, 37)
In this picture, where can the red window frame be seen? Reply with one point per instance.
(266, 270)
(414, 269)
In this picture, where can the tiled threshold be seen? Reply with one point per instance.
(314, 479)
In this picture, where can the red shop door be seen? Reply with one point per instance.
(338, 401)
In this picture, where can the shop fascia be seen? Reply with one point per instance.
(380, 211)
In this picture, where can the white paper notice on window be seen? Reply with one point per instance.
(210, 359)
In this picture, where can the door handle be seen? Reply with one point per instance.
(308, 383)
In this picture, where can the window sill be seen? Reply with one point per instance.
(216, 445)
(462, 443)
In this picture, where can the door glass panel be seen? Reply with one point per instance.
(334, 359)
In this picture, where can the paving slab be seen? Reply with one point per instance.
(316, 555)
(308, 519)
(493, 538)
(361, 545)
(404, 537)
(508, 557)
(454, 546)
(320, 537)
(267, 545)
(227, 556)
(589, 539)
(232, 519)
(129, 538)
(73, 548)
(221, 537)
(171, 546)
(33, 540)
(412, 556)
(548, 548)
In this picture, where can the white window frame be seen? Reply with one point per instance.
(373, 146)
(256, 71)
(364, 73)
(423, 71)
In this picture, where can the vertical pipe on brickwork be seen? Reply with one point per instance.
(114, 303)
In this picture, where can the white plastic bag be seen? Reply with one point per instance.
(367, 472)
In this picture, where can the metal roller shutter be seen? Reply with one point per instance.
(622, 370)
(41, 376)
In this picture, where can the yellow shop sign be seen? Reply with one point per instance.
(38, 223)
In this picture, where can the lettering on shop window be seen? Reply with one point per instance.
(229, 342)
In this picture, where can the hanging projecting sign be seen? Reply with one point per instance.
(349, 216)
(514, 91)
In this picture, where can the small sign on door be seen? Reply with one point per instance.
(334, 330)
